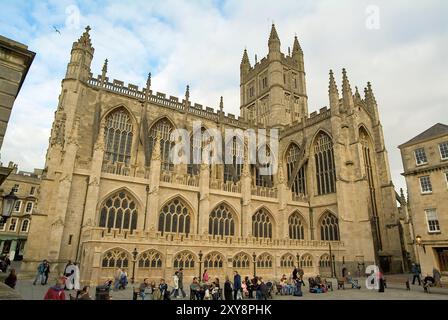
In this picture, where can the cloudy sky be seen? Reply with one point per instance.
(400, 46)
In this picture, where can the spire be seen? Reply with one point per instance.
(332, 87)
(245, 59)
(104, 72)
(148, 85)
(221, 105)
(187, 93)
(274, 40)
(105, 67)
(84, 41)
(347, 95)
(357, 96)
(296, 46)
(370, 91)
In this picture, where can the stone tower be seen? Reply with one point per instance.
(273, 91)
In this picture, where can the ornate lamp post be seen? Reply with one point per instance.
(255, 263)
(9, 201)
(134, 259)
(200, 254)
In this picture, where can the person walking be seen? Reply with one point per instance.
(228, 289)
(415, 269)
(40, 273)
(236, 286)
(11, 279)
(117, 278)
(175, 292)
(181, 282)
(57, 291)
(437, 276)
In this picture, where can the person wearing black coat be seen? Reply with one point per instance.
(228, 290)
(11, 280)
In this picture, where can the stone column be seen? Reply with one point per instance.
(283, 196)
(246, 194)
(204, 200)
(154, 183)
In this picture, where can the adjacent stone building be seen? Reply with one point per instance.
(425, 163)
(112, 197)
(14, 232)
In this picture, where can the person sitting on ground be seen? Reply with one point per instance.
(214, 289)
(11, 280)
(163, 288)
(83, 294)
(196, 290)
(353, 282)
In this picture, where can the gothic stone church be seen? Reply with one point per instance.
(111, 197)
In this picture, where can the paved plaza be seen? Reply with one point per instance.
(36, 292)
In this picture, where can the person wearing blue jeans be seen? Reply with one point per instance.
(40, 276)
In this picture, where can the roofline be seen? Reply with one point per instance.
(408, 144)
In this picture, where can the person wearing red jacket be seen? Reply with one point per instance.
(56, 292)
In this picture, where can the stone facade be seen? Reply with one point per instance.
(102, 196)
(14, 232)
(425, 163)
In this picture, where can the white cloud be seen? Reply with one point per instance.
(200, 43)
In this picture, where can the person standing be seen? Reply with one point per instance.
(294, 274)
(163, 289)
(40, 273)
(117, 278)
(76, 276)
(236, 286)
(227, 289)
(205, 276)
(46, 271)
(142, 289)
(415, 269)
(175, 292)
(181, 282)
(11, 280)
(436, 275)
(70, 276)
(57, 291)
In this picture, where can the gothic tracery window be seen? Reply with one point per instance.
(163, 127)
(324, 161)
(241, 260)
(221, 221)
(287, 261)
(329, 227)
(184, 259)
(296, 226)
(262, 224)
(197, 144)
(232, 172)
(150, 259)
(306, 261)
(297, 175)
(262, 170)
(213, 260)
(264, 261)
(118, 137)
(119, 211)
(175, 217)
(115, 258)
(324, 261)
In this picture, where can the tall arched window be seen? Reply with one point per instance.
(296, 226)
(118, 137)
(262, 224)
(241, 260)
(329, 227)
(232, 172)
(213, 260)
(184, 259)
(368, 165)
(287, 261)
(175, 217)
(119, 211)
(221, 221)
(115, 258)
(164, 128)
(296, 175)
(150, 259)
(324, 261)
(262, 170)
(324, 161)
(306, 261)
(264, 261)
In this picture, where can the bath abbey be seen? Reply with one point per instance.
(112, 196)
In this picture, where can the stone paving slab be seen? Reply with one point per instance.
(36, 292)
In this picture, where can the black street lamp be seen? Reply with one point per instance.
(255, 264)
(200, 254)
(331, 260)
(134, 259)
(9, 201)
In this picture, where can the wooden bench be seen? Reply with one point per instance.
(399, 279)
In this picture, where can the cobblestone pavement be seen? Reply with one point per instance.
(36, 292)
